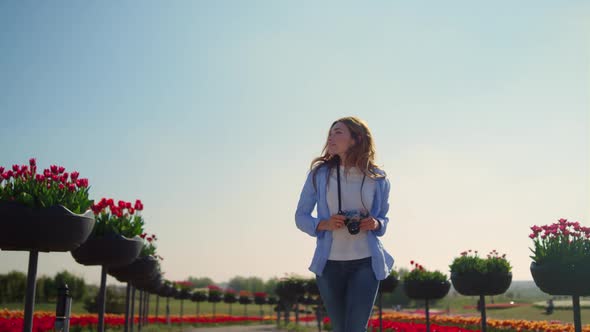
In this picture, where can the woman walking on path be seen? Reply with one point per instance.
(352, 198)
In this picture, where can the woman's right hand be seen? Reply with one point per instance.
(335, 222)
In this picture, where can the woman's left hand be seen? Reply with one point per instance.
(369, 224)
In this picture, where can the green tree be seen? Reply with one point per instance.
(77, 285)
(270, 285)
(13, 287)
(252, 284)
(45, 286)
(201, 282)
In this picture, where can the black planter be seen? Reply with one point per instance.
(165, 290)
(42, 229)
(150, 285)
(426, 290)
(214, 298)
(475, 283)
(110, 251)
(562, 279)
(230, 299)
(245, 300)
(199, 297)
(311, 287)
(143, 268)
(388, 284)
(260, 300)
(290, 290)
(183, 295)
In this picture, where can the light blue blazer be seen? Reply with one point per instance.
(310, 197)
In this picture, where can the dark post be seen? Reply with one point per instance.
(577, 318)
(484, 324)
(380, 312)
(30, 297)
(168, 311)
(427, 315)
(127, 308)
(102, 298)
(132, 318)
(157, 306)
(140, 311)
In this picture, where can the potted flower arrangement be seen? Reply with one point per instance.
(143, 269)
(421, 284)
(389, 284)
(184, 288)
(290, 288)
(43, 212)
(229, 297)
(214, 296)
(473, 275)
(561, 258)
(245, 298)
(115, 237)
(199, 296)
(561, 261)
(260, 298)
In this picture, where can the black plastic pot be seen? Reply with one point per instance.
(199, 297)
(183, 295)
(111, 251)
(562, 279)
(475, 283)
(426, 290)
(260, 300)
(388, 284)
(150, 285)
(42, 229)
(142, 268)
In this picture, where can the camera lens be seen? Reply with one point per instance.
(354, 227)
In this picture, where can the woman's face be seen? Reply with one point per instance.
(339, 140)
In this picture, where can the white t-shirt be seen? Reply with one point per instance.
(346, 246)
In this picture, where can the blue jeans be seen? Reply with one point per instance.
(348, 289)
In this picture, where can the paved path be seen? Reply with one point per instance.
(250, 328)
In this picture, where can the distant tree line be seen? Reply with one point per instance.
(13, 286)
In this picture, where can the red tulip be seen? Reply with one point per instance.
(1, 169)
(61, 186)
(71, 187)
(131, 210)
(15, 168)
(110, 202)
(33, 162)
(82, 183)
(54, 169)
(138, 205)
(74, 176)
(60, 169)
(122, 204)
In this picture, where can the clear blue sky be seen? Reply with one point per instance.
(210, 112)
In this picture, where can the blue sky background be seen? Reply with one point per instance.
(211, 111)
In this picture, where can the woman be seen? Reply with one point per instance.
(349, 259)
